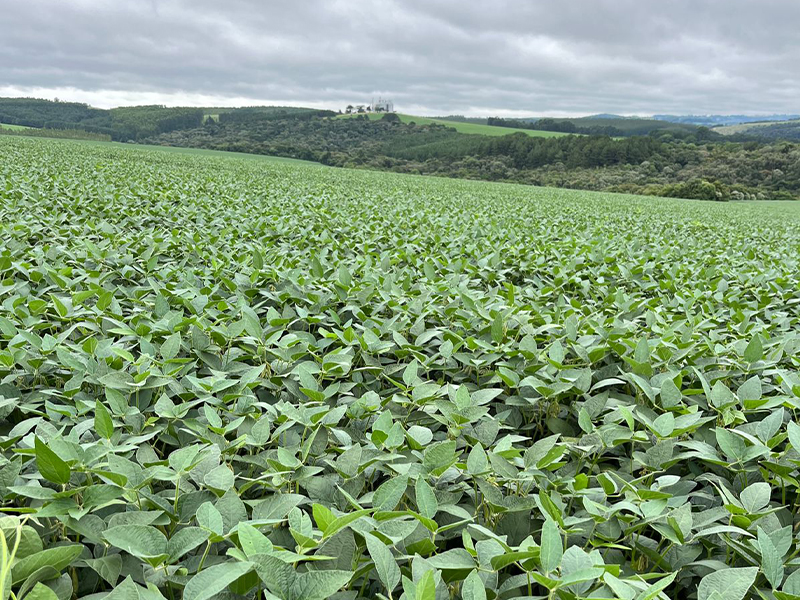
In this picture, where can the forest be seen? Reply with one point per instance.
(560, 125)
(121, 124)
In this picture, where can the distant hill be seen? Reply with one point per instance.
(720, 120)
(214, 112)
(615, 126)
(123, 123)
(600, 124)
(462, 119)
(767, 130)
(609, 116)
(469, 127)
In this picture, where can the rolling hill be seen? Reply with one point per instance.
(768, 129)
(463, 127)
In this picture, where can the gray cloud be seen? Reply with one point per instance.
(431, 56)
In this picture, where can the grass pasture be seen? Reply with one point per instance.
(461, 127)
(14, 127)
(228, 376)
(749, 127)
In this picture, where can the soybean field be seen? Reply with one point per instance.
(235, 378)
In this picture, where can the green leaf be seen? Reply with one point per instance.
(143, 541)
(410, 373)
(344, 277)
(731, 444)
(41, 592)
(792, 584)
(50, 465)
(642, 352)
(664, 425)
(477, 461)
(439, 457)
(721, 396)
(388, 495)
(426, 587)
(319, 585)
(453, 559)
(108, 567)
(730, 584)
(184, 541)
(219, 478)
(755, 497)
(47, 575)
(754, 351)
(102, 420)
(231, 509)
(771, 559)
(426, 499)
(213, 580)
(57, 557)
(552, 546)
(210, 518)
(472, 588)
(253, 541)
(385, 563)
(670, 394)
(258, 260)
(322, 516)
(171, 346)
(497, 329)
(793, 429)
(278, 575)
(127, 590)
(750, 389)
(30, 541)
(341, 522)
(619, 587)
(656, 588)
(503, 560)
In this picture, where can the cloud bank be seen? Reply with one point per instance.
(536, 57)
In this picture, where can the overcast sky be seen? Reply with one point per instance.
(513, 58)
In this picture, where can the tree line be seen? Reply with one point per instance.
(122, 124)
(559, 125)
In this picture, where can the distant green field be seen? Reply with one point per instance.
(630, 126)
(469, 128)
(17, 127)
(745, 127)
(201, 152)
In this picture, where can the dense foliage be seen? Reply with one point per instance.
(126, 123)
(789, 130)
(70, 134)
(232, 378)
(34, 112)
(687, 166)
(257, 114)
(560, 125)
(628, 126)
(717, 120)
(137, 122)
